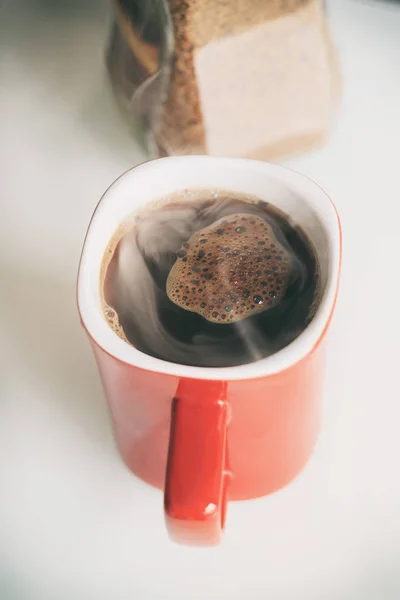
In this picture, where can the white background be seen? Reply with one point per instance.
(74, 523)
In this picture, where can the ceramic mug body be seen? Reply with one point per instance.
(206, 435)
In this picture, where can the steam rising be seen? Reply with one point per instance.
(220, 259)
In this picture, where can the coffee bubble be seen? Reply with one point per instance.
(113, 322)
(228, 259)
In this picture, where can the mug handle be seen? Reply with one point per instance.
(198, 472)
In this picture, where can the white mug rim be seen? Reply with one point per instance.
(101, 334)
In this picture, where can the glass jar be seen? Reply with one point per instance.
(250, 78)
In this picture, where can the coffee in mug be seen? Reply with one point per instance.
(210, 278)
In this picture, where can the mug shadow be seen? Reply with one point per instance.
(44, 328)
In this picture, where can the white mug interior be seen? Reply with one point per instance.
(298, 196)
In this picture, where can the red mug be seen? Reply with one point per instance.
(209, 435)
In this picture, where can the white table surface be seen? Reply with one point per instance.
(74, 523)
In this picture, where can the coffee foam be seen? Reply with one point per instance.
(109, 313)
(113, 322)
(230, 270)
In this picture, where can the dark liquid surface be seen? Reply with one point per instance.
(160, 328)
